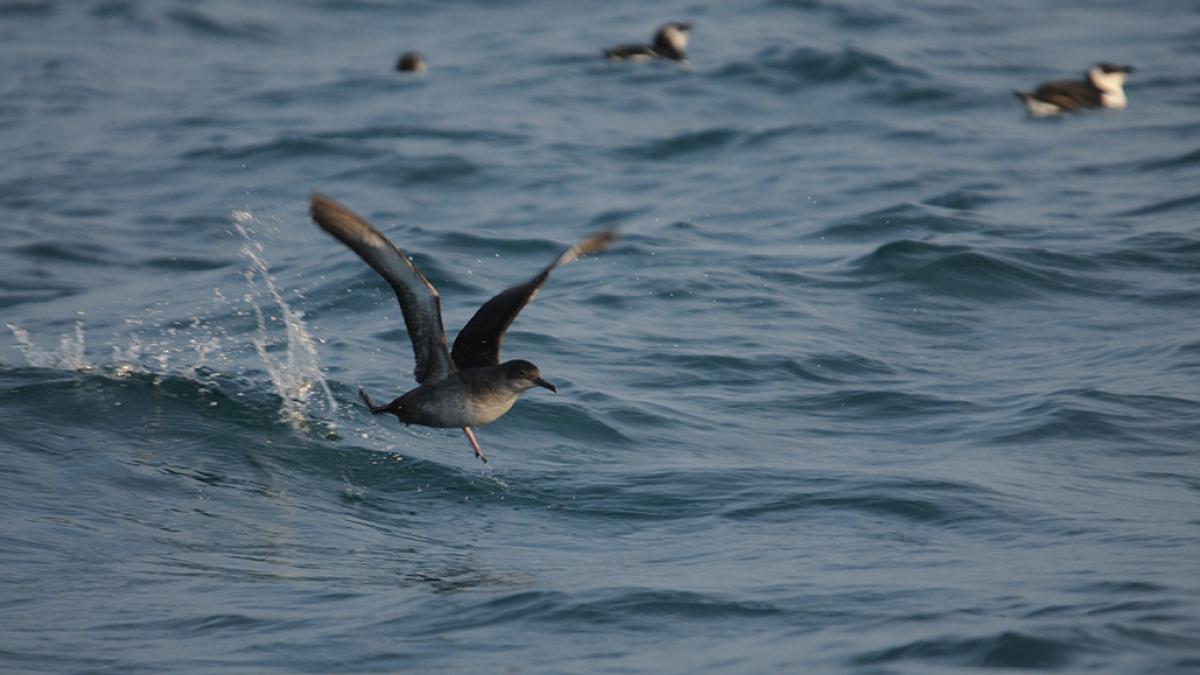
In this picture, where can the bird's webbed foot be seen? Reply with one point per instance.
(475, 444)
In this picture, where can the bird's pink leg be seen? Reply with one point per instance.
(475, 444)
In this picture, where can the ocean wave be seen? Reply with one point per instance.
(126, 11)
(753, 364)
(182, 263)
(393, 131)
(926, 95)
(14, 292)
(966, 198)
(203, 25)
(207, 625)
(332, 92)
(28, 8)
(219, 398)
(431, 169)
(962, 271)
(902, 220)
(1048, 646)
(801, 67)
(1187, 203)
(495, 247)
(571, 422)
(201, 429)
(686, 143)
(625, 608)
(1183, 160)
(923, 501)
(761, 496)
(877, 404)
(847, 15)
(1006, 649)
(1090, 415)
(283, 148)
(70, 252)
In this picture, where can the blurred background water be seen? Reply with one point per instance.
(882, 377)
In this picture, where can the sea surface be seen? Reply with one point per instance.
(882, 376)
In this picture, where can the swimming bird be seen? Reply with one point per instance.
(411, 62)
(1103, 86)
(466, 386)
(669, 43)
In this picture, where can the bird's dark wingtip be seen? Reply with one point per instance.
(319, 204)
(598, 242)
(337, 219)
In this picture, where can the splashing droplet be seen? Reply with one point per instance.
(69, 356)
(293, 366)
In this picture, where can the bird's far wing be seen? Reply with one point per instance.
(478, 343)
(418, 298)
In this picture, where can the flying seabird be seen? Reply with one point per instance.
(669, 43)
(411, 62)
(466, 386)
(1103, 86)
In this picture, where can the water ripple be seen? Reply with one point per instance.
(902, 220)
(960, 271)
(1006, 649)
(801, 67)
(203, 25)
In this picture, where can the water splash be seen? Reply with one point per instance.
(125, 361)
(69, 355)
(293, 365)
(291, 361)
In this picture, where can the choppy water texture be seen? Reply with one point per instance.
(883, 376)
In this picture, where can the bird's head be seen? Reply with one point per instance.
(522, 375)
(411, 62)
(1108, 76)
(673, 36)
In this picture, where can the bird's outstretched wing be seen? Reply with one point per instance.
(418, 298)
(478, 343)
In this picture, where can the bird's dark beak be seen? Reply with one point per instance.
(1128, 69)
(684, 26)
(542, 383)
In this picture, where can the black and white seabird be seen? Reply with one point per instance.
(669, 43)
(411, 62)
(1103, 86)
(466, 386)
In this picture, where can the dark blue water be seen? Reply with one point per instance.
(882, 377)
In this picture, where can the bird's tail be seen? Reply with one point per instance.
(378, 409)
(1036, 106)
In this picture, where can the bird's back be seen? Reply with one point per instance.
(1068, 94)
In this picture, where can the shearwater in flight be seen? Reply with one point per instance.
(466, 386)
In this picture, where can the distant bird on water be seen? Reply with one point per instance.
(467, 386)
(1103, 86)
(669, 43)
(411, 62)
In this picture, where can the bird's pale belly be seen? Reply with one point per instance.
(455, 411)
(486, 413)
